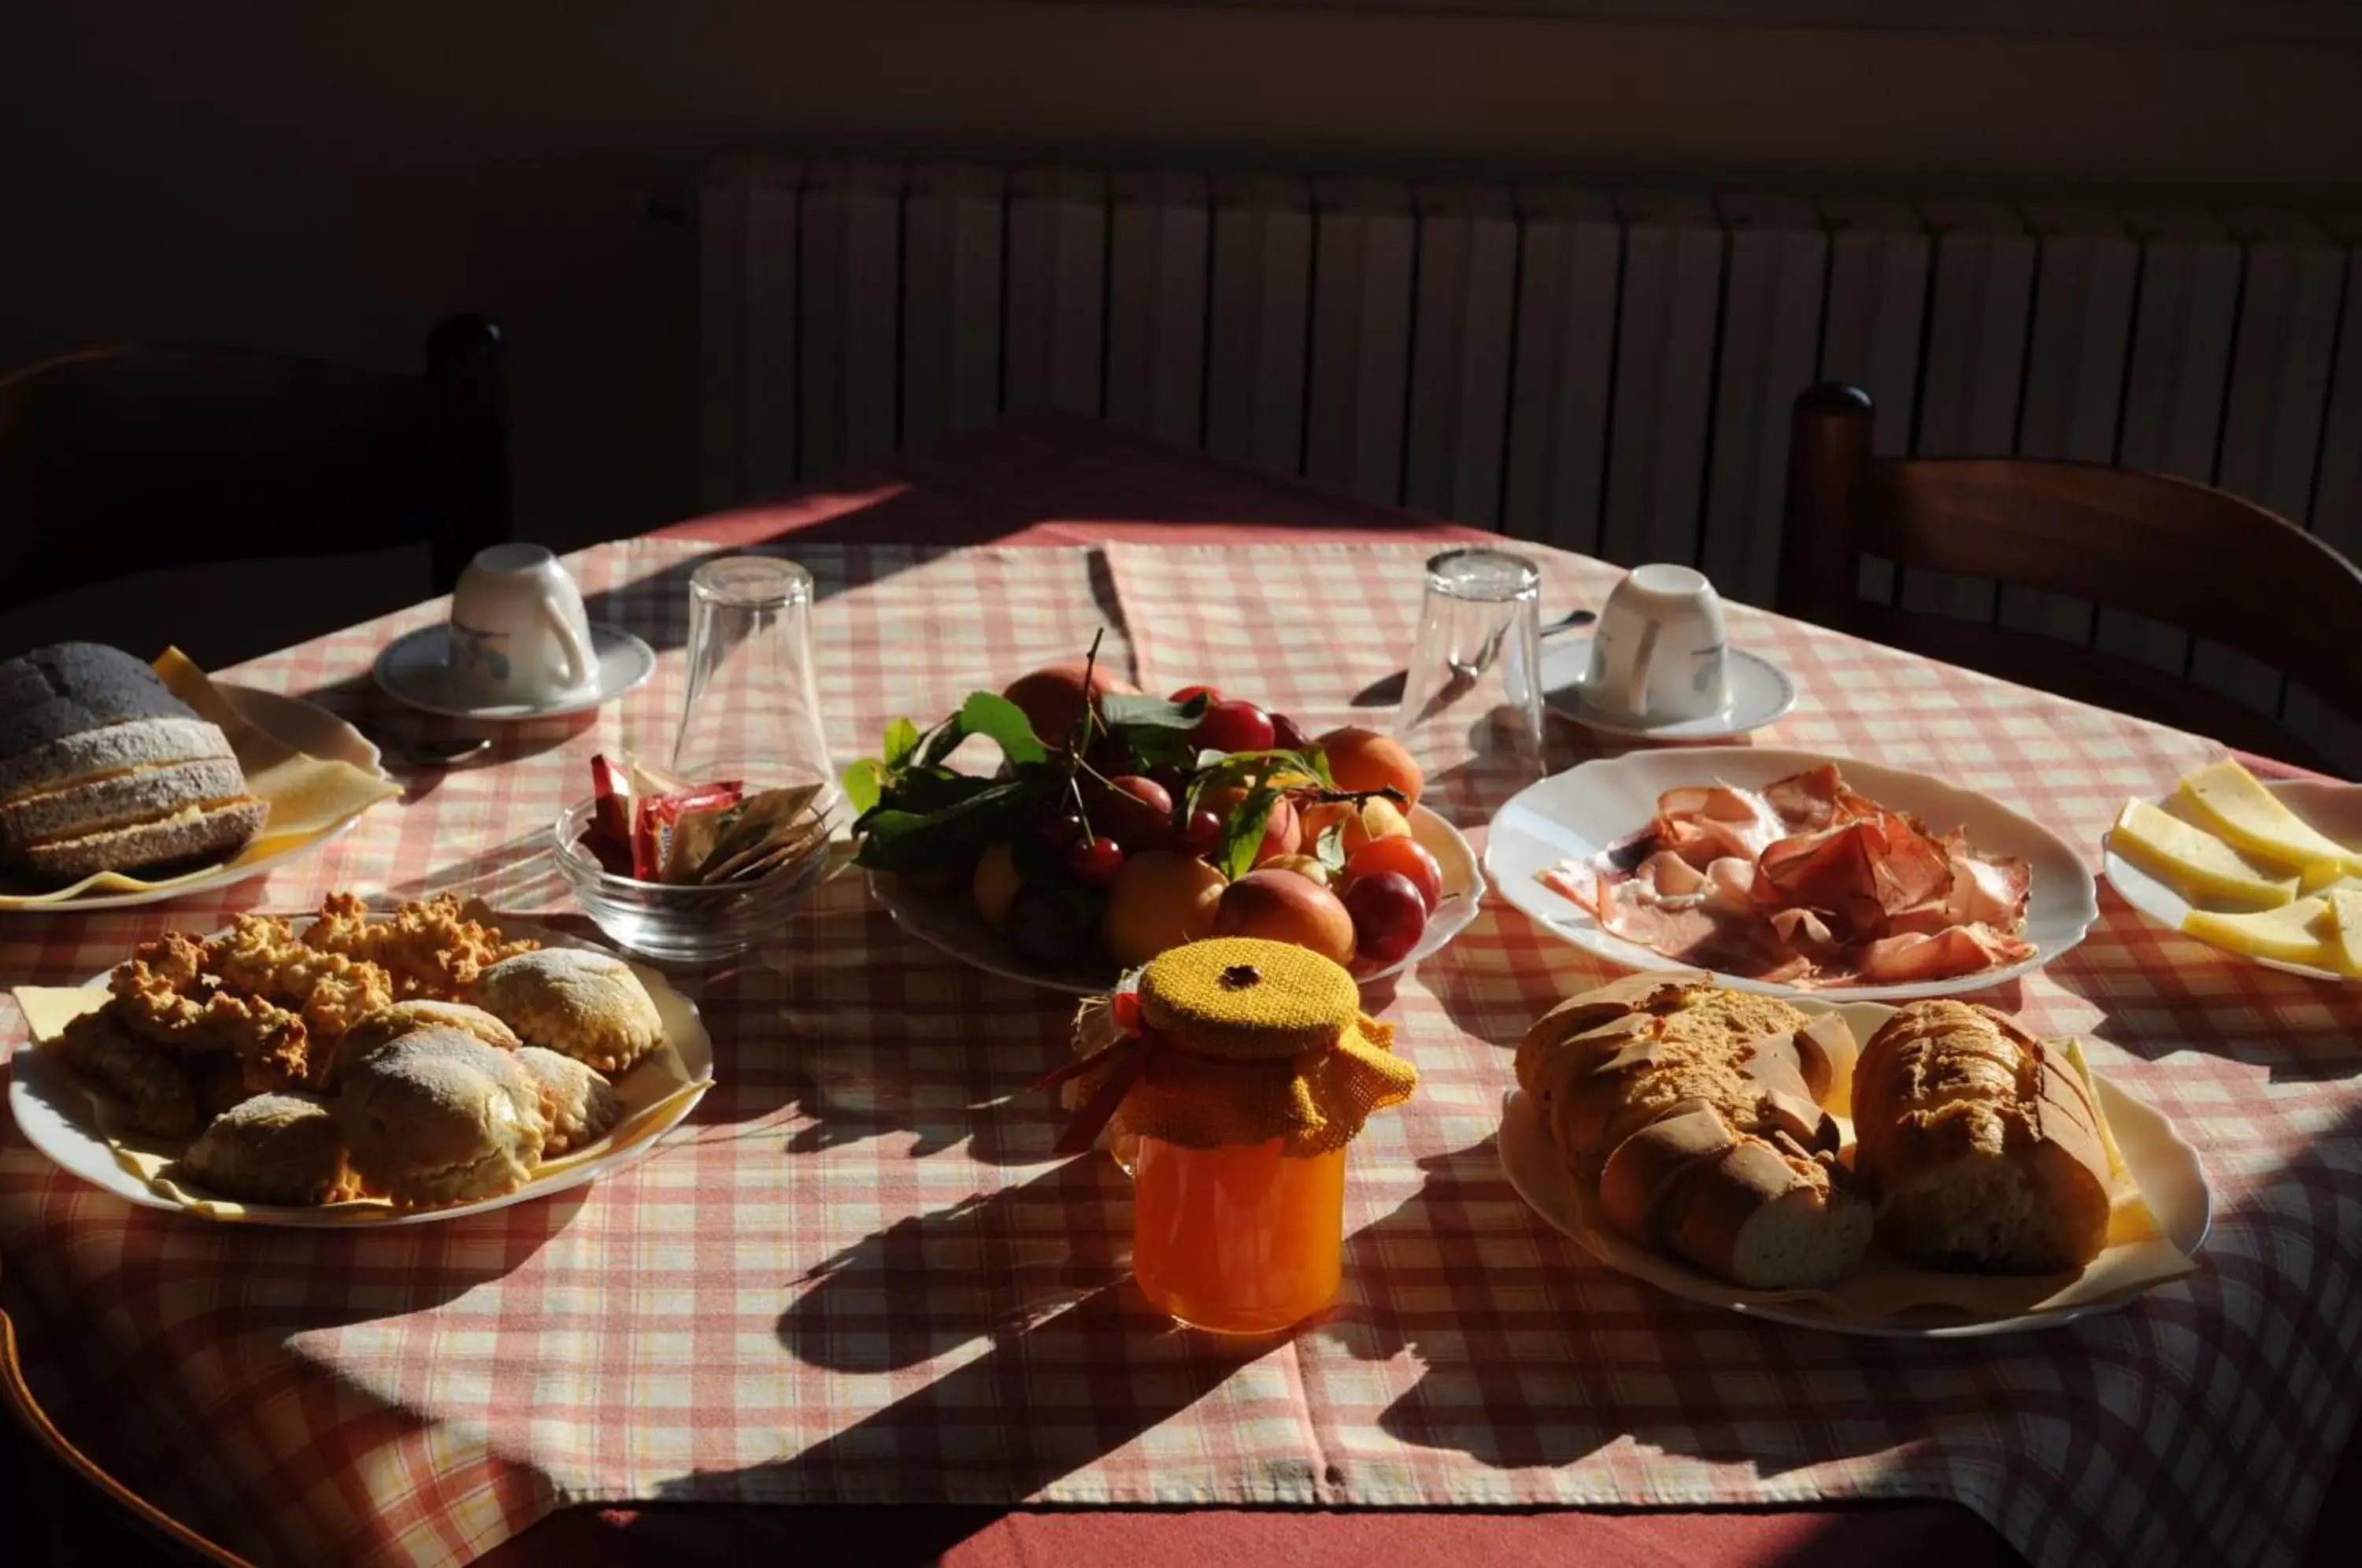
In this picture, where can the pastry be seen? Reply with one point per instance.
(329, 991)
(585, 1003)
(579, 1106)
(1981, 1144)
(429, 949)
(102, 769)
(1762, 1212)
(272, 1148)
(154, 1092)
(436, 1116)
(387, 1024)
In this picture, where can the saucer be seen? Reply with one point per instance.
(413, 670)
(1759, 693)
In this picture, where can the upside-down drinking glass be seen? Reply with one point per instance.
(753, 709)
(1472, 712)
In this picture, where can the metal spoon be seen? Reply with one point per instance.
(1570, 620)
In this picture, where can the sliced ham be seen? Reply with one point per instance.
(1805, 881)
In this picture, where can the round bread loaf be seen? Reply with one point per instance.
(103, 769)
(584, 1002)
(271, 1148)
(436, 1116)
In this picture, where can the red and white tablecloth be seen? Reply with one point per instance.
(853, 1277)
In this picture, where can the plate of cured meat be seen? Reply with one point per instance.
(1784, 872)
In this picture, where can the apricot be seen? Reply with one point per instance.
(1281, 906)
(1161, 899)
(1377, 817)
(1052, 697)
(1364, 759)
(995, 885)
(1307, 865)
(1282, 831)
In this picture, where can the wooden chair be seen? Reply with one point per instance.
(2179, 552)
(109, 1522)
(125, 459)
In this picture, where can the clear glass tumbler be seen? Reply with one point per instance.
(1472, 712)
(754, 694)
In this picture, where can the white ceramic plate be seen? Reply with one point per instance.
(948, 921)
(2334, 809)
(1760, 691)
(1573, 815)
(413, 670)
(300, 724)
(56, 1115)
(2172, 1183)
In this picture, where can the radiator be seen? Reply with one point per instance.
(1610, 374)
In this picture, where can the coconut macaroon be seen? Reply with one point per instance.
(586, 1004)
(272, 1148)
(436, 1116)
(391, 1023)
(579, 1106)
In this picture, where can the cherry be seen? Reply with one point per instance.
(1406, 857)
(1389, 916)
(1059, 827)
(1097, 861)
(1287, 734)
(1203, 837)
(1207, 693)
(1237, 725)
(1136, 812)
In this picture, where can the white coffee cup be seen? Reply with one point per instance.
(518, 632)
(1658, 654)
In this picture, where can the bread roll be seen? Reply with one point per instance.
(102, 769)
(1759, 1212)
(585, 1003)
(437, 1116)
(1980, 1142)
(272, 1148)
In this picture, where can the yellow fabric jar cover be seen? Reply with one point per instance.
(1242, 1040)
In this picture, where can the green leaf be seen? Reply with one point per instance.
(1160, 747)
(926, 790)
(1330, 846)
(1243, 835)
(1143, 711)
(1315, 762)
(1040, 867)
(862, 784)
(901, 742)
(988, 714)
(914, 841)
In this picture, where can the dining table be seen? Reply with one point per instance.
(853, 1309)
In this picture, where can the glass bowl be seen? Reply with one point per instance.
(679, 923)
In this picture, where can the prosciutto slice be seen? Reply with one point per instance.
(1805, 881)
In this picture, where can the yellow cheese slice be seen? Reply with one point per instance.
(2325, 877)
(2129, 1219)
(49, 1009)
(2292, 933)
(308, 795)
(2345, 936)
(2194, 861)
(2228, 799)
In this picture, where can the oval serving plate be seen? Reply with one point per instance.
(948, 922)
(2172, 1183)
(2334, 809)
(56, 1114)
(1573, 815)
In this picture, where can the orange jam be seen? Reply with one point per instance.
(1240, 1239)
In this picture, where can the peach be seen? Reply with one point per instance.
(996, 884)
(1161, 899)
(1284, 907)
(1307, 865)
(1053, 696)
(1282, 831)
(1364, 759)
(1377, 817)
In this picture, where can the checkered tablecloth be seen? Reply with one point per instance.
(853, 1277)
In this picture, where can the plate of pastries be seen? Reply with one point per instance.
(1930, 1170)
(123, 782)
(357, 1067)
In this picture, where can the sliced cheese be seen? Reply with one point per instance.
(2323, 877)
(2229, 799)
(2292, 933)
(2346, 936)
(2194, 861)
(308, 795)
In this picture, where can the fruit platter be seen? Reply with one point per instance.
(1119, 824)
